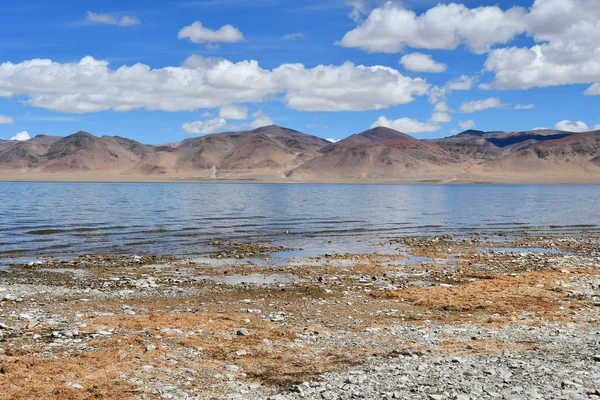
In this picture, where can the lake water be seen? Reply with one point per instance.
(171, 218)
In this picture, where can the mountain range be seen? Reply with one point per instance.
(278, 154)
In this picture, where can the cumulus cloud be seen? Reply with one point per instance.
(197, 33)
(233, 112)
(260, 119)
(572, 126)
(347, 87)
(464, 82)
(204, 127)
(293, 36)
(466, 125)
(107, 19)
(565, 35)
(407, 125)
(524, 106)
(90, 85)
(6, 120)
(21, 136)
(440, 113)
(419, 62)
(392, 27)
(480, 105)
(566, 49)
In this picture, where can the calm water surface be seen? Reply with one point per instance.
(73, 218)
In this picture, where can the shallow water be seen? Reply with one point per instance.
(252, 279)
(181, 219)
(521, 250)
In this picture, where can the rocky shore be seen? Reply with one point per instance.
(423, 318)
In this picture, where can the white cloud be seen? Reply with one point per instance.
(466, 125)
(565, 35)
(407, 125)
(347, 87)
(480, 105)
(91, 85)
(440, 113)
(204, 127)
(391, 28)
(6, 120)
(566, 49)
(524, 106)
(21, 136)
(359, 9)
(107, 19)
(197, 33)
(419, 62)
(593, 90)
(464, 82)
(294, 36)
(332, 140)
(233, 112)
(572, 126)
(260, 120)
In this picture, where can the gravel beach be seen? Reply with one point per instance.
(510, 317)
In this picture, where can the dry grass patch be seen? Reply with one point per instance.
(539, 292)
(99, 373)
(483, 347)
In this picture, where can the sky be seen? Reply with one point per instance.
(163, 71)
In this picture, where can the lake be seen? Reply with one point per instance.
(64, 219)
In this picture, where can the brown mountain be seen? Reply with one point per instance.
(25, 154)
(278, 154)
(572, 158)
(380, 154)
(267, 151)
(504, 140)
(374, 135)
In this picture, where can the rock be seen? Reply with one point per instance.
(241, 353)
(436, 397)
(74, 385)
(243, 332)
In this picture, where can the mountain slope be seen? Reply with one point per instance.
(277, 154)
(374, 135)
(575, 157)
(379, 154)
(88, 153)
(268, 150)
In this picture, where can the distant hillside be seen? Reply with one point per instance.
(379, 154)
(574, 155)
(503, 139)
(278, 154)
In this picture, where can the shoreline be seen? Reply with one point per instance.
(323, 327)
(522, 182)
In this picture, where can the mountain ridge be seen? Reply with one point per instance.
(278, 154)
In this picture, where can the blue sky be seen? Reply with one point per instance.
(329, 68)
